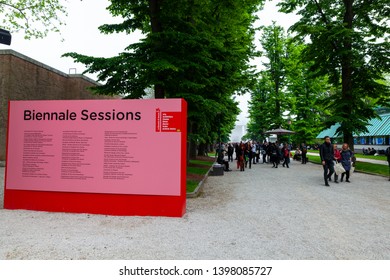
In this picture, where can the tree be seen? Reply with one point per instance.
(198, 50)
(269, 99)
(35, 17)
(287, 94)
(275, 44)
(260, 110)
(307, 93)
(349, 43)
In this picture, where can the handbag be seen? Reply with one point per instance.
(338, 168)
(352, 170)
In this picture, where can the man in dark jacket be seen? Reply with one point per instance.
(327, 157)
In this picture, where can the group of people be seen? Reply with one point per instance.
(301, 154)
(369, 151)
(252, 152)
(331, 155)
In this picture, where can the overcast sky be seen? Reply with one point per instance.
(82, 36)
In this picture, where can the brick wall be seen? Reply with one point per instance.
(22, 78)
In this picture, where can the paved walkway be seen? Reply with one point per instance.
(262, 213)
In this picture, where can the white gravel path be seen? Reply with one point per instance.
(262, 213)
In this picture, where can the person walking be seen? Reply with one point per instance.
(253, 152)
(264, 148)
(304, 153)
(256, 151)
(327, 157)
(230, 152)
(275, 155)
(286, 155)
(241, 157)
(346, 157)
(248, 154)
(337, 157)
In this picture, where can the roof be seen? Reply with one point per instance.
(376, 127)
(331, 132)
(384, 126)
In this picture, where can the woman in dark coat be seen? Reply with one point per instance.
(275, 155)
(346, 156)
(286, 155)
(241, 157)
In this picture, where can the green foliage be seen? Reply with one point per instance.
(269, 100)
(287, 92)
(195, 49)
(348, 43)
(307, 91)
(197, 167)
(36, 18)
(191, 185)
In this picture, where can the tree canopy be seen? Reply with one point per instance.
(36, 18)
(348, 41)
(194, 49)
(286, 94)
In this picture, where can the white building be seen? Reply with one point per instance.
(237, 133)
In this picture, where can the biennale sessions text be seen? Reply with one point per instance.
(32, 115)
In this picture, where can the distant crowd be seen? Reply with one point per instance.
(335, 161)
(252, 152)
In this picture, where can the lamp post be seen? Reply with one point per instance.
(219, 132)
(289, 128)
(219, 137)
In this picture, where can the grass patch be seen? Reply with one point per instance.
(314, 159)
(202, 162)
(378, 157)
(372, 168)
(196, 171)
(191, 185)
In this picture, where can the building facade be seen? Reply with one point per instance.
(377, 135)
(22, 78)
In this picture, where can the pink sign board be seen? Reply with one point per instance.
(96, 146)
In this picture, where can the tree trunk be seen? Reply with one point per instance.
(156, 26)
(348, 138)
(191, 148)
(346, 72)
(202, 149)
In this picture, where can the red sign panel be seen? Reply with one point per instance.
(110, 150)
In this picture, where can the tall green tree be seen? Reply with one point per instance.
(307, 92)
(194, 49)
(349, 43)
(275, 49)
(269, 100)
(36, 18)
(287, 93)
(261, 115)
